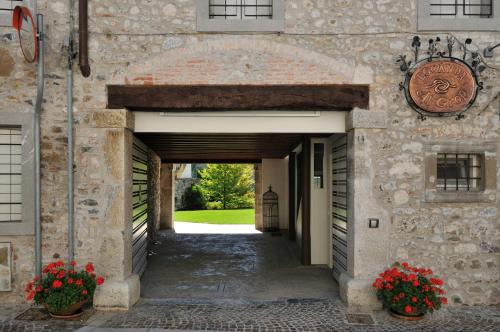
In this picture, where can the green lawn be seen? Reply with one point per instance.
(221, 217)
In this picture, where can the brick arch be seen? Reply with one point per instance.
(238, 60)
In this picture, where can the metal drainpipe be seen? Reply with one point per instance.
(71, 237)
(83, 36)
(36, 134)
(70, 194)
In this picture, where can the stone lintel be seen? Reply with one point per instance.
(118, 295)
(358, 293)
(365, 119)
(109, 118)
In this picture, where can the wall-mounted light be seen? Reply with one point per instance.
(488, 51)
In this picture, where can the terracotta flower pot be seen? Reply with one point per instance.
(72, 311)
(400, 314)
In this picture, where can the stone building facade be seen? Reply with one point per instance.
(323, 42)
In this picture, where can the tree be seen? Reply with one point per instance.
(230, 184)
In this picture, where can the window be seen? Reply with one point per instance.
(241, 9)
(465, 8)
(7, 7)
(17, 176)
(10, 174)
(319, 153)
(459, 172)
(240, 15)
(458, 15)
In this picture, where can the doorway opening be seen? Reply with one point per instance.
(214, 199)
(199, 263)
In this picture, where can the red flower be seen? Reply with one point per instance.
(59, 264)
(29, 286)
(61, 274)
(99, 281)
(408, 309)
(56, 284)
(30, 296)
(416, 283)
(54, 271)
(379, 283)
(37, 278)
(38, 289)
(79, 282)
(443, 300)
(70, 281)
(72, 263)
(89, 267)
(405, 265)
(84, 292)
(436, 281)
(414, 299)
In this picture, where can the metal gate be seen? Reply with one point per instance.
(339, 206)
(140, 207)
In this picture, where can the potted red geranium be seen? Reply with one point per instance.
(409, 292)
(64, 289)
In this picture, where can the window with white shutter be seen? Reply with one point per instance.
(479, 15)
(240, 15)
(7, 7)
(17, 176)
(10, 174)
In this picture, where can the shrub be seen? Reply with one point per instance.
(410, 290)
(215, 206)
(60, 287)
(193, 199)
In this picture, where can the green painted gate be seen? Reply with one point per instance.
(140, 216)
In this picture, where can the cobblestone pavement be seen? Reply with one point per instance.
(286, 315)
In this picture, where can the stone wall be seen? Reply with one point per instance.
(324, 42)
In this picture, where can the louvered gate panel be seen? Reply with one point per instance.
(339, 206)
(140, 207)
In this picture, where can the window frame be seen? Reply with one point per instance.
(426, 22)
(6, 17)
(205, 24)
(27, 224)
(488, 156)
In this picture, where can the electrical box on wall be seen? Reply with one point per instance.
(5, 266)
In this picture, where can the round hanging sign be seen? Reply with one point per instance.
(23, 22)
(443, 86)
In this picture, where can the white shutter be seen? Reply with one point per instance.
(10, 175)
(6, 8)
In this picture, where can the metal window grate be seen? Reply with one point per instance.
(462, 8)
(459, 172)
(10, 175)
(241, 9)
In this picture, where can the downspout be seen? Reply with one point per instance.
(71, 236)
(36, 134)
(83, 34)
(69, 93)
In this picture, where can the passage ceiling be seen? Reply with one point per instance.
(249, 148)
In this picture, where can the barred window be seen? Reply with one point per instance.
(241, 9)
(10, 175)
(459, 172)
(463, 8)
(240, 15)
(460, 15)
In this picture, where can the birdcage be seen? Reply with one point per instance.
(271, 211)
